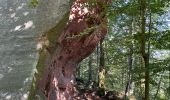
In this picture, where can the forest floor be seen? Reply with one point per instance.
(87, 94)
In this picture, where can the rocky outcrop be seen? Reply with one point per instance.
(20, 31)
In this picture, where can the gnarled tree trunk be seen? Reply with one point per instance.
(87, 25)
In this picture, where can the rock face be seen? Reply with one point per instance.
(20, 28)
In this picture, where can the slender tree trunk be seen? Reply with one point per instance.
(78, 71)
(143, 47)
(101, 66)
(90, 70)
(142, 88)
(159, 84)
(106, 53)
(130, 61)
(97, 61)
(123, 75)
(147, 78)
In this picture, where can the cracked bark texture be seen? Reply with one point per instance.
(86, 27)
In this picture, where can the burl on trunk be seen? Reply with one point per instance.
(86, 27)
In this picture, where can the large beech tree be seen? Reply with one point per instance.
(87, 25)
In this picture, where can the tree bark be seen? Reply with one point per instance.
(143, 47)
(97, 61)
(130, 61)
(159, 84)
(76, 42)
(101, 66)
(90, 69)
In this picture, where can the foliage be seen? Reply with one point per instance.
(125, 35)
(33, 3)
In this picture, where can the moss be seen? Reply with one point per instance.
(37, 76)
(101, 92)
(52, 36)
(55, 32)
